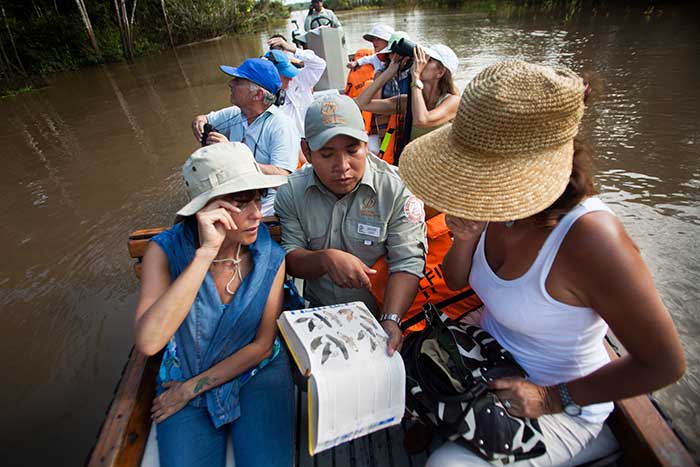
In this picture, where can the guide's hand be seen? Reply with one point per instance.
(213, 137)
(395, 336)
(346, 270)
(198, 126)
(463, 229)
(171, 401)
(522, 398)
(213, 220)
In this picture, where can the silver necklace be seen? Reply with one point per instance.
(236, 268)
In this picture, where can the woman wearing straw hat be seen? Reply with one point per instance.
(434, 97)
(552, 264)
(211, 292)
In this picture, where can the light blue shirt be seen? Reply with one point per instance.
(272, 137)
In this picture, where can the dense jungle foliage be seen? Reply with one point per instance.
(38, 37)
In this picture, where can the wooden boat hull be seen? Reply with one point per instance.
(644, 436)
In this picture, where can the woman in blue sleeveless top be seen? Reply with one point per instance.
(211, 291)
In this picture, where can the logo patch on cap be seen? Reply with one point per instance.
(329, 115)
(413, 209)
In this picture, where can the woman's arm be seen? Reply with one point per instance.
(178, 394)
(614, 280)
(457, 263)
(163, 306)
(422, 117)
(606, 272)
(366, 101)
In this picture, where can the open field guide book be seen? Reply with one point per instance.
(354, 387)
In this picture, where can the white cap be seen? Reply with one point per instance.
(444, 55)
(380, 31)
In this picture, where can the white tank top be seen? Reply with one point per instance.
(554, 342)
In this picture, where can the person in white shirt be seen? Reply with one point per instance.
(297, 82)
(379, 36)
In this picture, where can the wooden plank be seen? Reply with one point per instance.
(363, 454)
(124, 432)
(399, 457)
(305, 460)
(138, 240)
(644, 436)
(324, 459)
(379, 446)
(343, 456)
(139, 426)
(137, 248)
(417, 460)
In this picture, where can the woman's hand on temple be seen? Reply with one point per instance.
(213, 220)
(420, 60)
(524, 399)
(176, 396)
(463, 229)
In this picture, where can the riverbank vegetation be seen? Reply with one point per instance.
(39, 37)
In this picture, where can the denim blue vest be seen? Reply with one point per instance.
(210, 332)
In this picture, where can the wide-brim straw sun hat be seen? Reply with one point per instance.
(508, 153)
(220, 169)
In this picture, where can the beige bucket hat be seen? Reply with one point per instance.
(508, 153)
(220, 169)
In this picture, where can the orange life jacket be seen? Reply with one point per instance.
(358, 79)
(432, 288)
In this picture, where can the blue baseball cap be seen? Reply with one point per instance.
(282, 63)
(258, 70)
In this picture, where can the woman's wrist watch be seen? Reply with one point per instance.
(571, 408)
(417, 83)
(390, 317)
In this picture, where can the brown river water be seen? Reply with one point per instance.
(97, 154)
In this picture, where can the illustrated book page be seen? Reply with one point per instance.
(354, 387)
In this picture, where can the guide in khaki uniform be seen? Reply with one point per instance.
(346, 210)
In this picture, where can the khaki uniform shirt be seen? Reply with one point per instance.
(380, 217)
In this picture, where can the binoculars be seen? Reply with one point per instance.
(404, 47)
(205, 134)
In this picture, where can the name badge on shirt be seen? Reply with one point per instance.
(369, 230)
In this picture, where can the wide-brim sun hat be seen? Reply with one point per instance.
(508, 153)
(220, 169)
(444, 55)
(379, 31)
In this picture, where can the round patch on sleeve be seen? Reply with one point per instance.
(413, 209)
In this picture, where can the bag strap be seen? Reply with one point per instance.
(436, 327)
(420, 316)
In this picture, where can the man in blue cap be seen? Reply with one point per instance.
(255, 120)
(300, 70)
